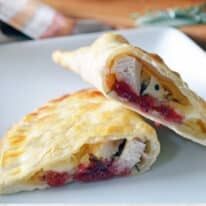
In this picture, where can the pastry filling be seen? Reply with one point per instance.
(136, 86)
(116, 158)
(55, 179)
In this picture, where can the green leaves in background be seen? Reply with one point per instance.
(173, 17)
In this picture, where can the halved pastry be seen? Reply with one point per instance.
(83, 137)
(141, 81)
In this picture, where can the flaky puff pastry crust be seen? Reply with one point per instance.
(50, 137)
(94, 64)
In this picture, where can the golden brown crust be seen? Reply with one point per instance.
(50, 137)
(202, 125)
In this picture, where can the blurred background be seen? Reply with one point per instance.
(22, 20)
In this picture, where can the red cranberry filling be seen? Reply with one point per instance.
(146, 103)
(124, 91)
(55, 179)
(98, 170)
(169, 114)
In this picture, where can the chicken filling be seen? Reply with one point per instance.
(115, 158)
(134, 84)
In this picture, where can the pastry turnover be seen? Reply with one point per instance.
(82, 137)
(141, 81)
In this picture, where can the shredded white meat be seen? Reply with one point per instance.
(131, 155)
(129, 70)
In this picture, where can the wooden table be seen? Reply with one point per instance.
(117, 12)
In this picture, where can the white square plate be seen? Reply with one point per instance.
(29, 78)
